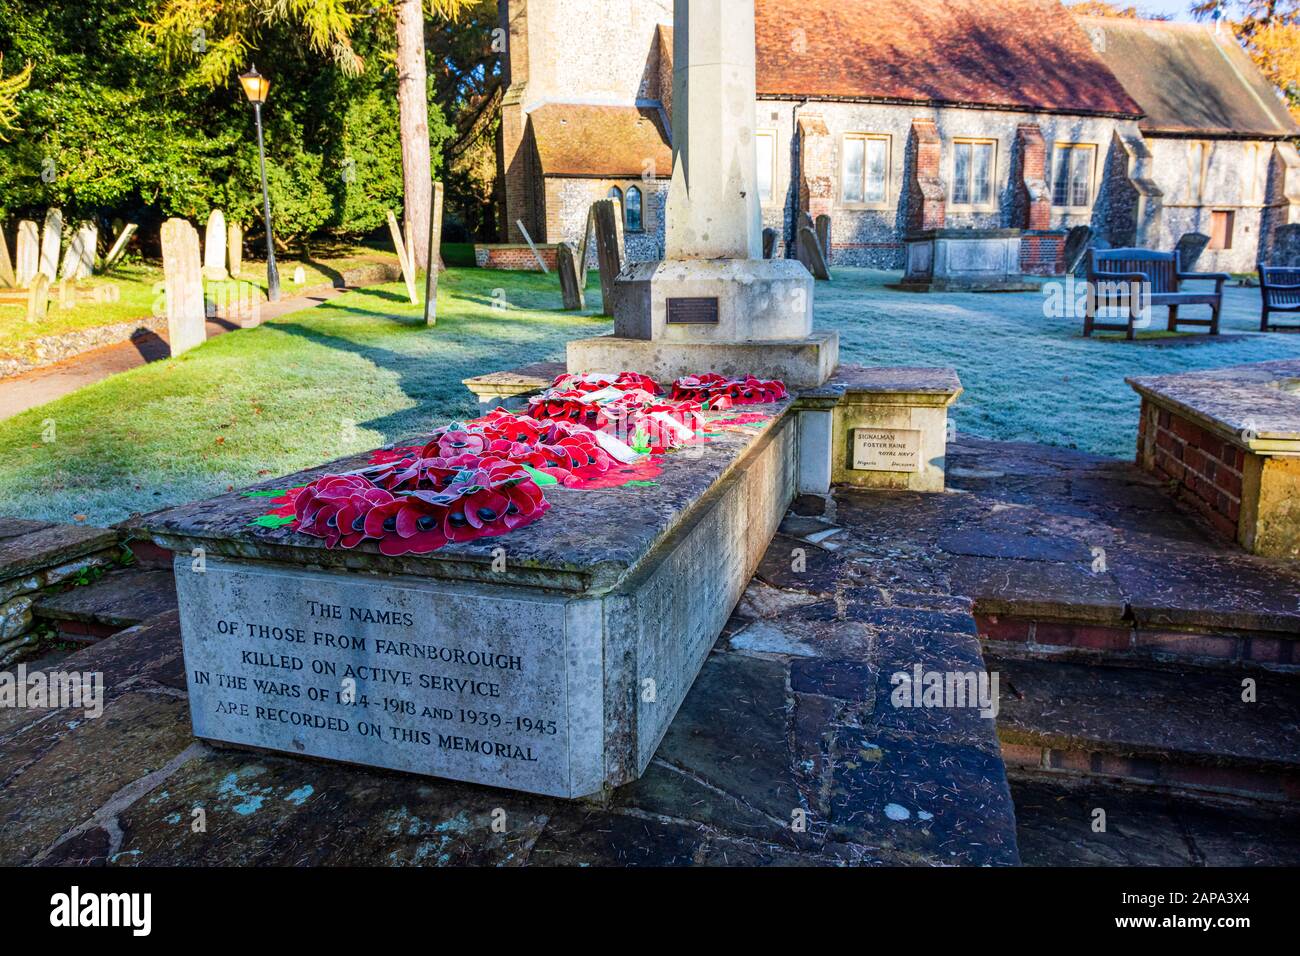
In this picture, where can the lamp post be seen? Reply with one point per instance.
(256, 87)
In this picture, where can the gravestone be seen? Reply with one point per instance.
(214, 247)
(183, 282)
(1076, 244)
(28, 253)
(1189, 249)
(38, 297)
(769, 243)
(6, 264)
(824, 237)
(118, 249)
(234, 248)
(435, 258)
(607, 251)
(569, 288)
(811, 255)
(299, 275)
(51, 244)
(79, 261)
(405, 258)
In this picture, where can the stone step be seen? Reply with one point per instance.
(1134, 644)
(120, 599)
(1189, 732)
(28, 547)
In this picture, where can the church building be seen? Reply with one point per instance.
(893, 118)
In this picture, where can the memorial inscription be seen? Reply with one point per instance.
(886, 449)
(382, 671)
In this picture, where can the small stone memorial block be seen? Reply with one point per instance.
(27, 252)
(38, 297)
(234, 248)
(886, 449)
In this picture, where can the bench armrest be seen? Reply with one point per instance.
(1216, 276)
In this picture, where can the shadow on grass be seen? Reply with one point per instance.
(421, 378)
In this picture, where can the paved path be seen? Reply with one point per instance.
(21, 392)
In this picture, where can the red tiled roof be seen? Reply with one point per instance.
(1018, 54)
(607, 141)
(1190, 78)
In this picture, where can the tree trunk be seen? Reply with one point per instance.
(413, 121)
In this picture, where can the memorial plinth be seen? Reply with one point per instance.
(550, 660)
(714, 303)
(1228, 442)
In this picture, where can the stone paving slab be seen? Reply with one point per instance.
(1055, 828)
(27, 546)
(121, 598)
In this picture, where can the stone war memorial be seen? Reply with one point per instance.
(727, 434)
(553, 658)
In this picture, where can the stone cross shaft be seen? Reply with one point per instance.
(713, 205)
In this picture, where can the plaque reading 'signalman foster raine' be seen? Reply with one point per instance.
(886, 449)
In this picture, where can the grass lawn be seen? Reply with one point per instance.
(139, 294)
(352, 374)
(362, 370)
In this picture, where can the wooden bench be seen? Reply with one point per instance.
(1115, 274)
(1279, 287)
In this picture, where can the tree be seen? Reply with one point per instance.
(1270, 32)
(10, 87)
(224, 33)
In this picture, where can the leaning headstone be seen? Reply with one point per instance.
(1076, 244)
(810, 253)
(51, 243)
(214, 247)
(573, 297)
(404, 258)
(28, 252)
(38, 297)
(234, 248)
(183, 280)
(607, 251)
(824, 236)
(79, 262)
(769, 242)
(1189, 249)
(6, 264)
(118, 249)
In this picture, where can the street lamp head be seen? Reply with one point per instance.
(255, 85)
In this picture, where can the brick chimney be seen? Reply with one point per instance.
(926, 192)
(1033, 205)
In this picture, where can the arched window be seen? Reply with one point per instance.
(615, 194)
(633, 219)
